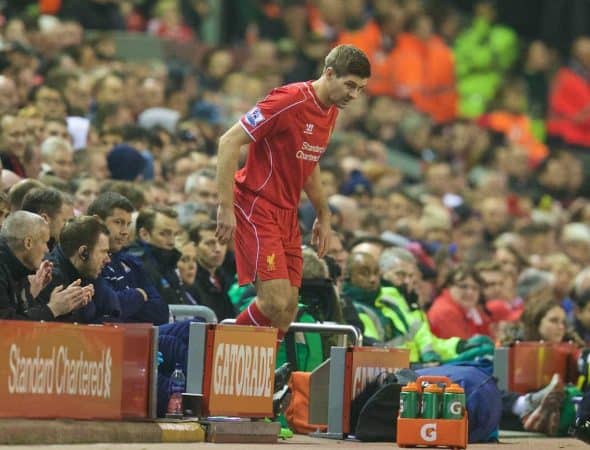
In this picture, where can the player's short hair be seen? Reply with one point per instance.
(348, 60)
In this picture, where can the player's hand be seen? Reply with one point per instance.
(226, 224)
(320, 234)
(40, 279)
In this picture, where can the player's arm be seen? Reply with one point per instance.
(321, 226)
(228, 154)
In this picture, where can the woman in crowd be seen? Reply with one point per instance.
(543, 319)
(458, 310)
(187, 270)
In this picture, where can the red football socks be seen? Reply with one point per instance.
(253, 316)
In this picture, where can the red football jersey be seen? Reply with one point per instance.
(290, 130)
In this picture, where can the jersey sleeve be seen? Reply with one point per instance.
(268, 116)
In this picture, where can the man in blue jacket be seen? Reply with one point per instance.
(139, 299)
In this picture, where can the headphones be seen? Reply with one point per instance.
(84, 255)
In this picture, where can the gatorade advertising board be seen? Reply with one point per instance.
(239, 370)
(532, 364)
(365, 364)
(55, 370)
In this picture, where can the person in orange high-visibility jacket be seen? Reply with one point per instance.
(518, 129)
(510, 119)
(424, 71)
(416, 66)
(49, 6)
(377, 39)
(368, 38)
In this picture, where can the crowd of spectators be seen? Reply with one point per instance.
(457, 182)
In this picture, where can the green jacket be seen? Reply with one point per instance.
(483, 52)
(237, 297)
(308, 346)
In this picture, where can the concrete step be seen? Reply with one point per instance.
(31, 431)
(242, 431)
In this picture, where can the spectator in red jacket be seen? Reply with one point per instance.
(569, 101)
(457, 311)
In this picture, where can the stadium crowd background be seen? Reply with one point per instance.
(469, 150)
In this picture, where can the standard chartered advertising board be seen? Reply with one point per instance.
(59, 368)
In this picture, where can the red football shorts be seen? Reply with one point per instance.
(267, 241)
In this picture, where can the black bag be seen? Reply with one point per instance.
(373, 413)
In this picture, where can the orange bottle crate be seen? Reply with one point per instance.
(421, 432)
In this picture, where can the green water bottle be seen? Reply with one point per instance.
(408, 406)
(453, 402)
(431, 396)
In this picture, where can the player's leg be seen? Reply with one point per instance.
(268, 252)
(277, 300)
(260, 259)
(292, 261)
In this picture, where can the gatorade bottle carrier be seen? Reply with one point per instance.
(439, 432)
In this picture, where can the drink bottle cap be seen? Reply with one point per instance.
(433, 388)
(454, 389)
(410, 387)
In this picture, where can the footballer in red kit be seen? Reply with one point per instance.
(290, 130)
(287, 132)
